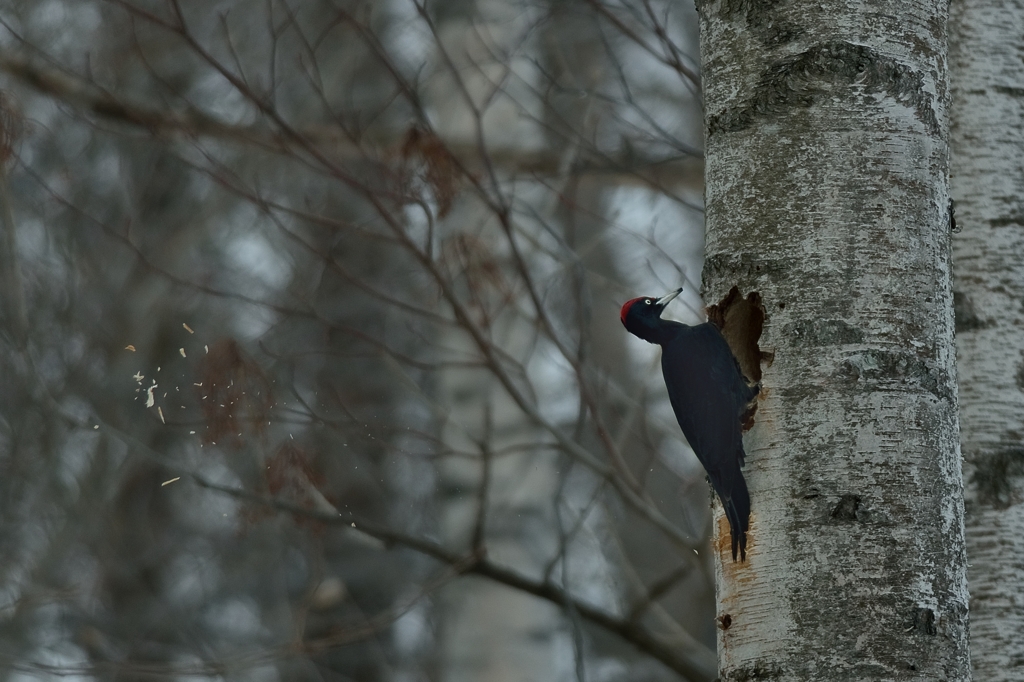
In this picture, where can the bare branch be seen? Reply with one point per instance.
(192, 122)
(696, 664)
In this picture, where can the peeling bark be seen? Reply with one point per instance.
(987, 141)
(826, 192)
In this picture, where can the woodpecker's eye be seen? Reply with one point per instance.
(647, 301)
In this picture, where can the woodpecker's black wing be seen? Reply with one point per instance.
(709, 395)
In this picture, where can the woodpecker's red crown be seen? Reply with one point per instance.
(657, 304)
(629, 304)
(642, 316)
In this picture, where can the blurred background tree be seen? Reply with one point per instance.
(311, 366)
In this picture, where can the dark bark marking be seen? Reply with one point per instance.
(1007, 221)
(1020, 373)
(797, 80)
(743, 266)
(758, 670)
(751, 10)
(812, 332)
(1007, 90)
(762, 18)
(847, 508)
(923, 622)
(964, 315)
(993, 474)
(894, 368)
(724, 621)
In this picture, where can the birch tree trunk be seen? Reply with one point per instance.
(826, 191)
(987, 140)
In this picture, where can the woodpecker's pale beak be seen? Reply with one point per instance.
(664, 300)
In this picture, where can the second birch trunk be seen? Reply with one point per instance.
(987, 181)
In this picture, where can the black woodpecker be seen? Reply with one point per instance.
(709, 396)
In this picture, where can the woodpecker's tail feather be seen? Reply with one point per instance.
(737, 511)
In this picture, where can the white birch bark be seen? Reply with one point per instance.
(987, 181)
(826, 191)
